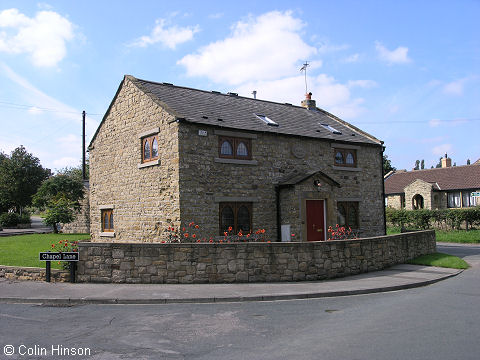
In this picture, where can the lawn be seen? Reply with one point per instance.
(441, 260)
(453, 236)
(22, 250)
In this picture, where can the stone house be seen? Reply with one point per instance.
(441, 188)
(166, 154)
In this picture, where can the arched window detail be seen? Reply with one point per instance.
(227, 218)
(350, 160)
(235, 217)
(154, 148)
(226, 148)
(242, 149)
(347, 214)
(146, 150)
(338, 158)
(234, 148)
(243, 219)
(107, 220)
(345, 157)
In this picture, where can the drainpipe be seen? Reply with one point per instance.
(279, 214)
(383, 191)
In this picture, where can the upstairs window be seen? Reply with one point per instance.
(345, 157)
(234, 148)
(107, 220)
(150, 148)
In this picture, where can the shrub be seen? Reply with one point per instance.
(9, 219)
(421, 218)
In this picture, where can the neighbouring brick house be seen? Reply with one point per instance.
(167, 154)
(441, 188)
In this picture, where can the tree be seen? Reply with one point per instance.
(468, 161)
(417, 165)
(60, 195)
(422, 164)
(439, 165)
(20, 176)
(387, 165)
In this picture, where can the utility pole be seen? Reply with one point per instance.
(84, 169)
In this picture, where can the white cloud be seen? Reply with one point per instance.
(367, 84)
(263, 48)
(434, 122)
(42, 102)
(442, 149)
(397, 56)
(215, 16)
(43, 37)
(169, 36)
(328, 93)
(455, 87)
(64, 162)
(352, 58)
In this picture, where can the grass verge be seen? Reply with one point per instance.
(440, 260)
(22, 250)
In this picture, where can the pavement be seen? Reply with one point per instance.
(395, 278)
(37, 227)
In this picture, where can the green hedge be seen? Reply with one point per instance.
(13, 219)
(444, 218)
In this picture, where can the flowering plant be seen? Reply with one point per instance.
(341, 233)
(65, 246)
(191, 232)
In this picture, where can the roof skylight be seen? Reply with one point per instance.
(266, 120)
(331, 129)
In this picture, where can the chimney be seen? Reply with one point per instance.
(308, 102)
(446, 162)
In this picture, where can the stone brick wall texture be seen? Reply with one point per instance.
(81, 224)
(246, 262)
(30, 273)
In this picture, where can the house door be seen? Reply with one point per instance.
(315, 220)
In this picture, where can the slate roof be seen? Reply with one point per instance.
(451, 178)
(237, 112)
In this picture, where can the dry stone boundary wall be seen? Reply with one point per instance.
(246, 262)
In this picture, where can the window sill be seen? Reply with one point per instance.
(346, 168)
(149, 163)
(107, 234)
(236, 161)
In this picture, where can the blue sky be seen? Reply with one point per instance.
(408, 72)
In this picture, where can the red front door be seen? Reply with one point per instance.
(315, 220)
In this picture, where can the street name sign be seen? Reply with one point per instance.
(59, 256)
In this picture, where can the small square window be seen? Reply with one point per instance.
(149, 148)
(107, 220)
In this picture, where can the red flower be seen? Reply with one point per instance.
(230, 228)
(293, 235)
(211, 241)
(194, 236)
(186, 235)
(196, 226)
(183, 229)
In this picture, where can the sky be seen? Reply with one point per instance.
(407, 72)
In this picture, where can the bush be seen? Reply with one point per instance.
(9, 219)
(421, 219)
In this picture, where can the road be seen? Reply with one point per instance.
(440, 321)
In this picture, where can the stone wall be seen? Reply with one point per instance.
(81, 224)
(30, 273)
(246, 262)
(422, 188)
